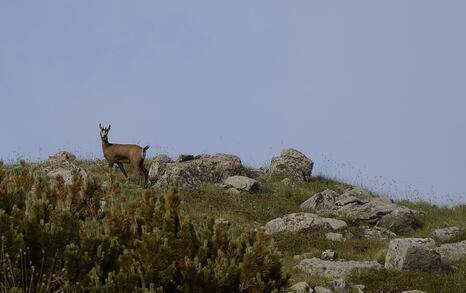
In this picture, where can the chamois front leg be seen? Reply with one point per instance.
(146, 175)
(123, 171)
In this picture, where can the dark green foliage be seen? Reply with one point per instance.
(86, 238)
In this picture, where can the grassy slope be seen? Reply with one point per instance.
(254, 210)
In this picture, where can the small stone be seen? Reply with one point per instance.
(446, 234)
(222, 221)
(334, 236)
(452, 251)
(301, 287)
(319, 289)
(359, 288)
(243, 183)
(329, 254)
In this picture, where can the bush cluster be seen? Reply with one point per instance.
(86, 238)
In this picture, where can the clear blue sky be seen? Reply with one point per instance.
(373, 91)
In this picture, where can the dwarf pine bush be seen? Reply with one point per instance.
(83, 237)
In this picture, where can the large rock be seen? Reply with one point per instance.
(194, 171)
(380, 211)
(243, 183)
(62, 156)
(293, 164)
(297, 222)
(321, 202)
(452, 251)
(445, 234)
(336, 269)
(62, 163)
(414, 254)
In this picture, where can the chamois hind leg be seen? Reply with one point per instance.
(123, 171)
(142, 173)
(146, 175)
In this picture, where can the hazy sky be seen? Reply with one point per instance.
(373, 91)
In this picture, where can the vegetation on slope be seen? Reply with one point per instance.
(62, 237)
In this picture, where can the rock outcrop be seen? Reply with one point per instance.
(336, 269)
(62, 163)
(293, 164)
(414, 254)
(193, 171)
(297, 222)
(379, 211)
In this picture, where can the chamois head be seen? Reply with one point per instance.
(104, 131)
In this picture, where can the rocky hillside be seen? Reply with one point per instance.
(327, 236)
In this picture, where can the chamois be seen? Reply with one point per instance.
(124, 153)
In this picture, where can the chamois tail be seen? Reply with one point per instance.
(143, 154)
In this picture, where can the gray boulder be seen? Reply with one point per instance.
(340, 286)
(243, 183)
(336, 269)
(293, 164)
(322, 202)
(201, 169)
(301, 287)
(62, 156)
(379, 211)
(446, 234)
(159, 166)
(63, 164)
(298, 222)
(452, 251)
(414, 254)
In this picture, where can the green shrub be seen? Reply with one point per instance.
(84, 238)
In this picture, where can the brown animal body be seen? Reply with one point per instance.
(124, 153)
